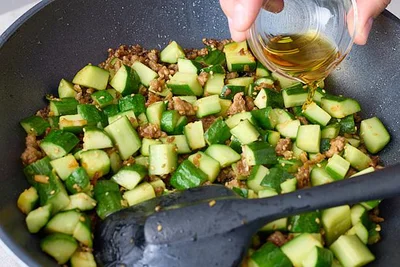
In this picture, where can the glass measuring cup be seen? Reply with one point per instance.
(307, 39)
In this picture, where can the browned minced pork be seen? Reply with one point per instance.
(128, 162)
(32, 151)
(302, 119)
(242, 168)
(234, 183)
(150, 131)
(207, 122)
(374, 216)
(278, 239)
(157, 85)
(226, 175)
(303, 173)
(202, 78)
(164, 73)
(283, 146)
(84, 94)
(337, 146)
(152, 98)
(183, 107)
(44, 112)
(238, 105)
(375, 160)
(193, 53)
(249, 103)
(219, 44)
(232, 75)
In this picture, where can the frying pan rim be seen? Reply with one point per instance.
(8, 242)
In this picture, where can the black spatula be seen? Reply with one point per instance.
(212, 226)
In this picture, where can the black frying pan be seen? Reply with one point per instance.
(57, 38)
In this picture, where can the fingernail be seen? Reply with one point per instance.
(364, 32)
(368, 26)
(273, 6)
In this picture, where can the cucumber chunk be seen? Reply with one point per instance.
(257, 175)
(66, 89)
(350, 251)
(163, 159)
(35, 125)
(185, 84)
(356, 158)
(145, 74)
(207, 164)
(81, 201)
(155, 111)
(269, 255)
(60, 246)
(72, 123)
(294, 96)
(339, 107)
(92, 77)
(38, 218)
(187, 176)
(172, 53)
(63, 222)
(315, 114)
(336, 221)
(374, 134)
(139, 194)
(206, 106)
(130, 176)
(195, 135)
(64, 166)
(83, 231)
(309, 138)
(337, 167)
(64, 106)
(318, 257)
(78, 181)
(223, 154)
(245, 132)
(218, 133)
(96, 163)
(259, 153)
(359, 230)
(214, 84)
(298, 248)
(180, 142)
(188, 66)
(136, 103)
(58, 143)
(102, 98)
(309, 222)
(83, 259)
(95, 138)
(126, 81)
(28, 200)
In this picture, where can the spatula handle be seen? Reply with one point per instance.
(377, 185)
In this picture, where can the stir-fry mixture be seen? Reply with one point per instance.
(145, 123)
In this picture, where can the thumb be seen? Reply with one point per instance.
(242, 13)
(367, 11)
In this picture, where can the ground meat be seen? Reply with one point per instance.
(302, 119)
(283, 147)
(249, 103)
(374, 216)
(44, 112)
(216, 43)
(278, 239)
(375, 160)
(152, 98)
(351, 172)
(226, 175)
(231, 75)
(337, 146)
(182, 157)
(202, 78)
(84, 94)
(303, 173)
(357, 118)
(234, 183)
(191, 53)
(128, 162)
(150, 131)
(163, 72)
(32, 151)
(243, 169)
(238, 105)
(207, 122)
(183, 107)
(157, 85)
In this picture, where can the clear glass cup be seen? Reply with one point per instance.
(333, 19)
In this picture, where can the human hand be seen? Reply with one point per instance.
(242, 13)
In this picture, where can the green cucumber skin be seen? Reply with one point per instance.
(78, 181)
(347, 125)
(306, 223)
(92, 115)
(102, 98)
(132, 83)
(64, 106)
(264, 118)
(236, 145)
(214, 57)
(270, 255)
(275, 177)
(35, 125)
(290, 165)
(187, 176)
(65, 140)
(265, 153)
(104, 186)
(219, 69)
(40, 167)
(111, 110)
(229, 91)
(133, 102)
(169, 120)
(108, 197)
(325, 145)
(218, 133)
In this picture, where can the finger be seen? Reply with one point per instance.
(242, 12)
(367, 11)
(237, 36)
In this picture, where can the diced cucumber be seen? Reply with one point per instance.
(108, 197)
(337, 167)
(180, 141)
(130, 114)
(207, 106)
(306, 223)
(257, 175)
(169, 119)
(336, 221)
(136, 102)
(35, 125)
(145, 74)
(65, 166)
(318, 257)
(126, 81)
(92, 77)
(38, 218)
(81, 201)
(273, 138)
(369, 205)
(289, 165)
(374, 134)
(60, 246)
(283, 116)
(124, 136)
(339, 107)
(187, 176)
(39, 167)
(218, 133)
(275, 178)
(214, 69)
(365, 171)
(350, 251)
(360, 214)
(195, 135)
(283, 81)
(58, 143)
(223, 154)
(262, 71)
(95, 138)
(259, 153)
(354, 141)
(245, 132)
(237, 118)
(66, 89)
(142, 160)
(268, 98)
(269, 255)
(318, 95)
(298, 248)
(64, 106)
(289, 128)
(330, 131)
(188, 66)
(142, 119)
(239, 58)
(53, 121)
(356, 158)
(72, 123)
(277, 225)
(92, 115)
(154, 112)
(235, 145)
(294, 96)
(28, 200)
(172, 53)
(265, 118)
(83, 231)
(139, 194)
(102, 98)
(96, 163)
(158, 186)
(78, 181)
(309, 138)
(146, 143)
(63, 222)
(180, 125)
(315, 114)
(163, 159)
(359, 230)
(289, 186)
(185, 84)
(214, 84)
(229, 91)
(111, 110)
(130, 176)
(83, 259)
(347, 125)
(319, 176)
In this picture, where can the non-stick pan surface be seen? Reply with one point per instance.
(57, 38)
